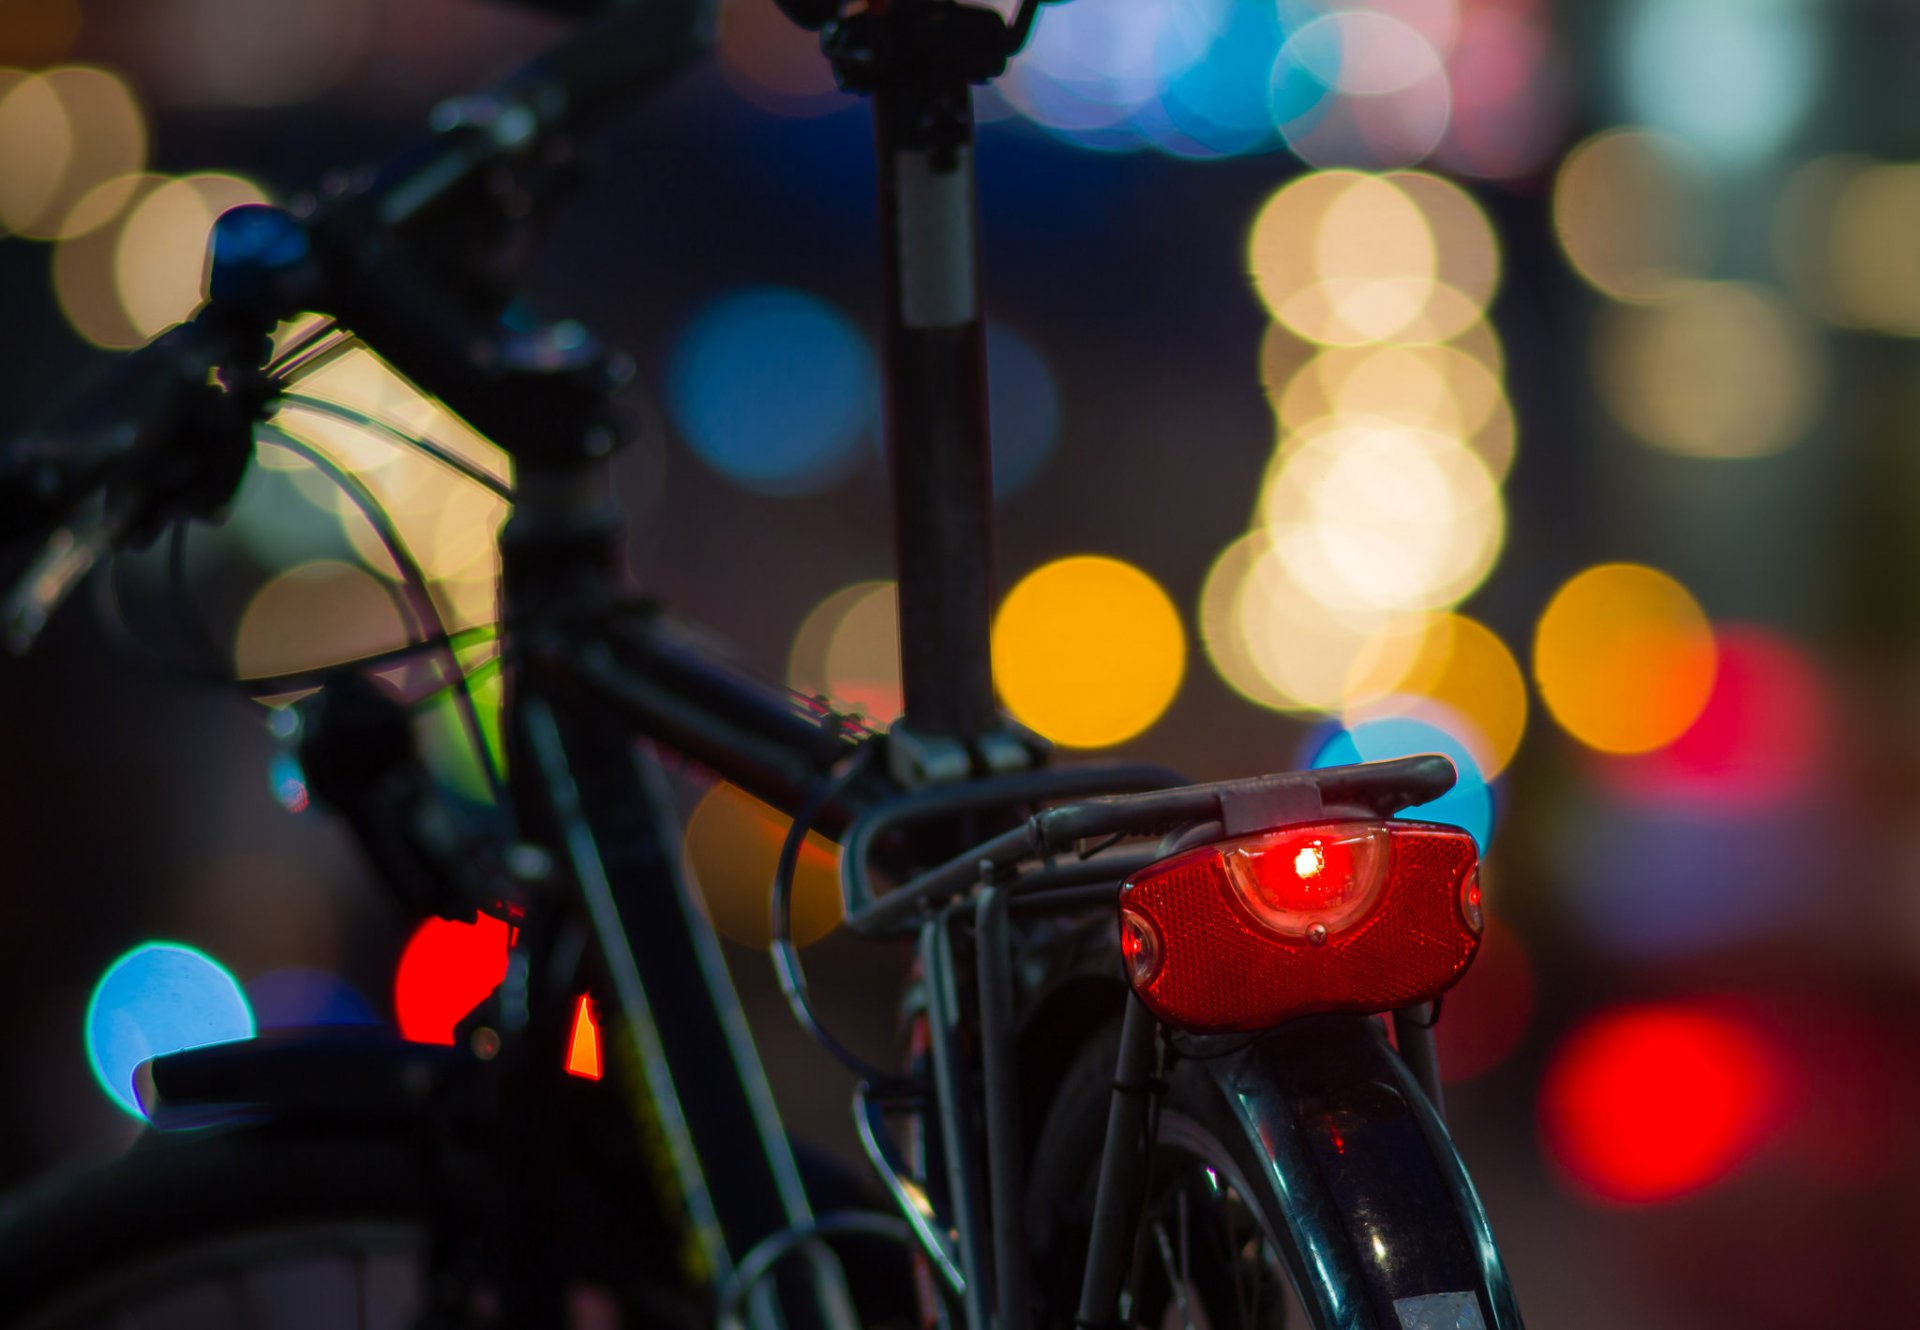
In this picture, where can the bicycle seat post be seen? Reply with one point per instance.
(918, 60)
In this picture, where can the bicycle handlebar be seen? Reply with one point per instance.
(165, 432)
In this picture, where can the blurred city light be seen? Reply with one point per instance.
(1733, 78)
(774, 389)
(160, 260)
(1808, 250)
(1439, 389)
(1280, 646)
(1636, 213)
(1384, 517)
(139, 265)
(733, 844)
(1872, 250)
(776, 64)
(847, 650)
(160, 997)
(1719, 369)
(1088, 651)
(63, 134)
(1624, 658)
(1468, 805)
(1358, 88)
(316, 614)
(1761, 741)
(1651, 1103)
(1509, 90)
(1463, 680)
(447, 970)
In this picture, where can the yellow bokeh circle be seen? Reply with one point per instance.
(847, 650)
(733, 842)
(1464, 668)
(1624, 658)
(1372, 516)
(1346, 258)
(1088, 650)
(1635, 213)
(1280, 647)
(316, 615)
(1721, 369)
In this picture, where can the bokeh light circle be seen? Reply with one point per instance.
(1872, 248)
(1733, 78)
(1384, 517)
(1635, 213)
(1345, 258)
(1438, 388)
(1624, 658)
(774, 63)
(1215, 60)
(1360, 88)
(1088, 650)
(1281, 647)
(447, 969)
(1464, 680)
(774, 389)
(847, 650)
(1468, 805)
(160, 260)
(160, 997)
(1761, 740)
(733, 842)
(62, 134)
(1720, 369)
(317, 614)
(1646, 1104)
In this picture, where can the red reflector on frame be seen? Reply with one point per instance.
(583, 1049)
(1334, 916)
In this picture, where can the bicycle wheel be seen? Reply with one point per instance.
(1335, 1213)
(250, 1228)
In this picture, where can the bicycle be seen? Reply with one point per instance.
(1232, 1136)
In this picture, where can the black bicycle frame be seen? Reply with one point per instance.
(586, 678)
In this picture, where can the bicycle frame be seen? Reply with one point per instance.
(590, 687)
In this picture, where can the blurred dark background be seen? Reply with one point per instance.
(1526, 380)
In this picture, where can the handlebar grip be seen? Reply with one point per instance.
(151, 438)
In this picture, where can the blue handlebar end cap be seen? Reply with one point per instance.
(262, 260)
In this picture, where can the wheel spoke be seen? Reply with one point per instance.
(1174, 1281)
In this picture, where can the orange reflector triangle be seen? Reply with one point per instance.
(583, 1052)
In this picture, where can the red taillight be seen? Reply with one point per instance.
(1335, 916)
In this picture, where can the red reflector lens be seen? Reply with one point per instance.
(1335, 916)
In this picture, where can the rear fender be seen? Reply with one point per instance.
(1373, 1193)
